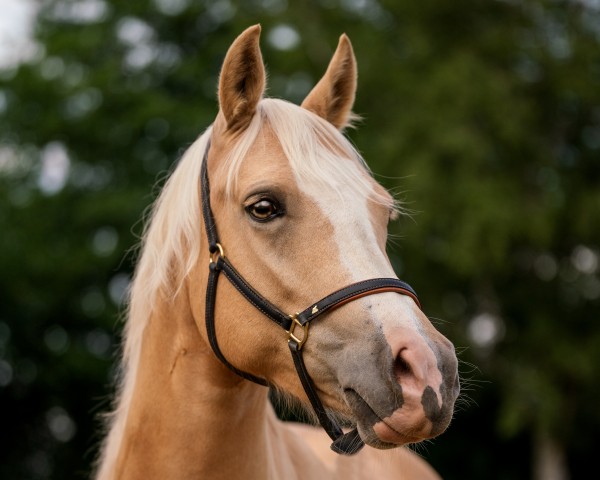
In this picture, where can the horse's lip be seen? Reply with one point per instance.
(367, 418)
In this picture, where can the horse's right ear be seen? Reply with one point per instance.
(333, 97)
(242, 79)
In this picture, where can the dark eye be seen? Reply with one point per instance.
(264, 210)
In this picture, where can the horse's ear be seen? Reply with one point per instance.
(333, 97)
(242, 79)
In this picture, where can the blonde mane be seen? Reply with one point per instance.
(317, 152)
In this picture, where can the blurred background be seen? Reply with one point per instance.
(482, 115)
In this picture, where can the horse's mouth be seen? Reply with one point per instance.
(373, 429)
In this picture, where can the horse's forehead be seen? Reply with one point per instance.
(266, 161)
(347, 209)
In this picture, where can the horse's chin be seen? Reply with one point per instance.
(373, 430)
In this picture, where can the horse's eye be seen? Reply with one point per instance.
(264, 210)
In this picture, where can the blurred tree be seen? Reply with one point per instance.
(498, 115)
(486, 115)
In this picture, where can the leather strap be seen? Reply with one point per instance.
(207, 214)
(353, 292)
(209, 315)
(343, 443)
(256, 299)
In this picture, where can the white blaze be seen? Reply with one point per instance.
(359, 253)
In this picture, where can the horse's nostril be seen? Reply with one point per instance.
(401, 366)
(415, 364)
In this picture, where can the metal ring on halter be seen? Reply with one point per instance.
(214, 256)
(291, 331)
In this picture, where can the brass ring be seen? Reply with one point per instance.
(214, 256)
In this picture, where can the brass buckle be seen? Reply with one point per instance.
(214, 257)
(292, 330)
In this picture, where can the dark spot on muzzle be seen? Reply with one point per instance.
(433, 412)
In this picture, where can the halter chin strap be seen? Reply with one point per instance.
(296, 325)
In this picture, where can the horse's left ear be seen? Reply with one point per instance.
(242, 79)
(333, 97)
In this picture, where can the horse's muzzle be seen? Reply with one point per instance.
(414, 399)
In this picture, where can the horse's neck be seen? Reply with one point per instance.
(189, 416)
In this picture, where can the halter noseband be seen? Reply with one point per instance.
(295, 325)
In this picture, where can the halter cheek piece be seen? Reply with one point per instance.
(295, 325)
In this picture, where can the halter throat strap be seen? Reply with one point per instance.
(296, 325)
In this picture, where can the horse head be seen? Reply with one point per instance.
(300, 216)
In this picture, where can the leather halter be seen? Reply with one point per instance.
(295, 325)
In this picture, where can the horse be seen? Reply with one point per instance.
(274, 200)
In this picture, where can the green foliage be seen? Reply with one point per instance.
(484, 114)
